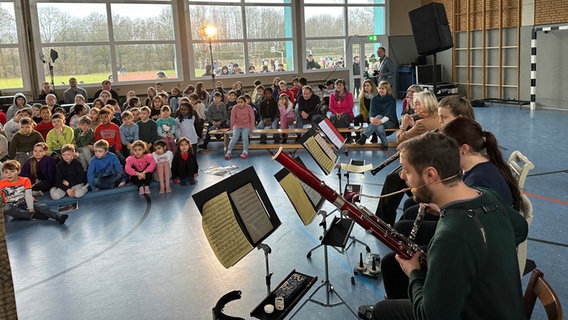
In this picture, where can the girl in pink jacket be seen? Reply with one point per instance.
(139, 166)
(242, 122)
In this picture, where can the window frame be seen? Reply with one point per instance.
(111, 43)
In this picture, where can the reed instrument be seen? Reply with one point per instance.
(385, 163)
(397, 242)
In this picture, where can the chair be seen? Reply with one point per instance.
(538, 287)
(526, 212)
(520, 165)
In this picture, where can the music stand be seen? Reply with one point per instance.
(336, 236)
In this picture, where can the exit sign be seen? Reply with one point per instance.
(373, 37)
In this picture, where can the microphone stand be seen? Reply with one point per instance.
(267, 251)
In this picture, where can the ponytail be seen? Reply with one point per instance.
(495, 156)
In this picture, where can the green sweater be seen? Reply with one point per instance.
(23, 143)
(469, 278)
(56, 142)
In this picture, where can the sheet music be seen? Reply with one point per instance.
(326, 148)
(319, 155)
(331, 133)
(356, 169)
(223, 232)
(298, 197)
(252, 212)
(312, 194)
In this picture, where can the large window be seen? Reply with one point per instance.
(329, 23)
(10, 51)
(102, 39)
(252, 36)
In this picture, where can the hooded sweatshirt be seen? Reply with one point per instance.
(14, 108)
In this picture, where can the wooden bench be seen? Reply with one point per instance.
(291, 133)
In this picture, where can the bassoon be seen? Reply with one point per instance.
(397, 242)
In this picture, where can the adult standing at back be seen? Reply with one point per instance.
(106, 86)
(72, 91)
(384, 69)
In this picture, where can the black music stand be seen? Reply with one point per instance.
(336, 236)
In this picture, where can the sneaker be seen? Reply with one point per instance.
(61, 219)
(362, 140)
(176, 181)
(192, 180)
(228, 155)
(385, 147)
(243, 155)
(374, 139)
(141, 190)
(147, 189)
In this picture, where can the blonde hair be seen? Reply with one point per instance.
(386, 85)
(428, 100)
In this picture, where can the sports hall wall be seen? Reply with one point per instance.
(552, 68)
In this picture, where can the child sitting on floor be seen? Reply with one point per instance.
(18, 200)
(163, 158)
(184, 164)
(139, 166)
(70, 177)
(105, 171)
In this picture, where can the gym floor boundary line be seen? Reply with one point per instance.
(545, 198)
(96, 255)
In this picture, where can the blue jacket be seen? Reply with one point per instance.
(384, 107)
(103, 167)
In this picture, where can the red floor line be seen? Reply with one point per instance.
(546, 198)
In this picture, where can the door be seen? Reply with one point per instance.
(365, 48)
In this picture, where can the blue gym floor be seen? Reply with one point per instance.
(124, 256)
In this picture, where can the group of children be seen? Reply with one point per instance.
(105, 150)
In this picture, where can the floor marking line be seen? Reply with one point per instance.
(546, 198)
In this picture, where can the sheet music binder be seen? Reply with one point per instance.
(320, 150)
(232, 184)
(315, 199)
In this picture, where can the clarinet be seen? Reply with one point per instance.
(418, 221)
(397, 242)
(385, 163)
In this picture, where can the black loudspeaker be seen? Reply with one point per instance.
(431, 29)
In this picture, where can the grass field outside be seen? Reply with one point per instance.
(94, 78)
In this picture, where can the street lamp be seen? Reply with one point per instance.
(209, 32)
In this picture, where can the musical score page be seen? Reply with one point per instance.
(319, 155)
(326, 148)
(223, 232)
(355, 168)
(252, 212)
(332, 133)
(298, 197)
